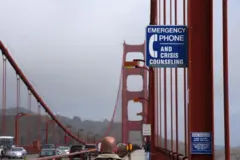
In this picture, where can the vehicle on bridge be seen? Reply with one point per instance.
(64, 149)
(78, 148)
(16, 152)
(92, 146)
(48, 146)
(47, 152)
(6, 143)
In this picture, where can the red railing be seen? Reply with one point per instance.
(68, 155)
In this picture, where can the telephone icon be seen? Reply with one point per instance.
(152, 39)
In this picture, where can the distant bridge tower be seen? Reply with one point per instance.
(127, 96)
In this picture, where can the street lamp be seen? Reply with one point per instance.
(80, 133)
(89, 133)
(96, 135)
(17, 117)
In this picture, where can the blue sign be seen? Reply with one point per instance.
(201, 143)
(167, 46)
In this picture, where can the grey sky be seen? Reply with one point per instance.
(72, 51)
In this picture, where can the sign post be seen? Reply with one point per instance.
(146, 129)
(201, 143)
(167, 46)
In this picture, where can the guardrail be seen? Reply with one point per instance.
(172, 155)
(58, 157)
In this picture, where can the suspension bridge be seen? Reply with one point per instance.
(163, 90)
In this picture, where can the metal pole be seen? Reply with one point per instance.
(46, 132)
(153, 12)
(225, 78)
(65, 138)
(176, 82)
(185, 92)
(201, 108)
(4, 97)
(151, 114)
(16, 130)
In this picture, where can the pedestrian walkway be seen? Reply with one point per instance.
(137, 155)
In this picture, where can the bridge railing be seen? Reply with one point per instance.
(172, 155)
(68, 155)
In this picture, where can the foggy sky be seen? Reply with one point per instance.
(72, 52)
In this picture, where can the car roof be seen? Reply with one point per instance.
(49, 144)
(17, 147)
(49, 149)
(7, 137)
(77, 145)
(62, 146)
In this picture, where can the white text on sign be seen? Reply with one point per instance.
(171, 41)
(167, 30)
(169, 34)
(167, 57)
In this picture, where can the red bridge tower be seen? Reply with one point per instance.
(127, 96)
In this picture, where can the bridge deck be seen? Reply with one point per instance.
(137, 155)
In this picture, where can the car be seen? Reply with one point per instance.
(64, 149)
(47, 152)
(46, 146)
(78, 148)
(16, 152)
(92, 146)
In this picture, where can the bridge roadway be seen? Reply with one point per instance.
(29, 157)
(136, 155)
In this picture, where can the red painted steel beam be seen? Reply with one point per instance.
(133, 48)
(151, 116)
(134, 125)
(33, 91)
(201, 109)
(131, 64)
(225, 79)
